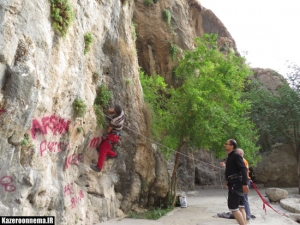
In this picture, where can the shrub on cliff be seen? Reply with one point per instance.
(148, 2)
(88, 40)
(62, 15)
(103, 96)
(133, 31)
(101, 101)
(166, 14)
(79, 107)
(174, 50)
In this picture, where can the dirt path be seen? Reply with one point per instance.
(203, 206)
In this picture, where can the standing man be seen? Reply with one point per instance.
(114, 129)
(236, 177)
(247, 206)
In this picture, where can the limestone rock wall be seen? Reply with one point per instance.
(41, 74)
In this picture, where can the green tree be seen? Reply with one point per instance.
(277, 114)
(206, 109)
(155, 92)
(263, 111)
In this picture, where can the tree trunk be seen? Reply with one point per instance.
(295, 145)
(174, 174)
(298, 160)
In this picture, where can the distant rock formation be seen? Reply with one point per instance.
(268, 77)
(277, 168)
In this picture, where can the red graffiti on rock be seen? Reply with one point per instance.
(68, 189)
(53, 146)
(74, 159)
(53, 124)
(2, 111)
(75, 198)
(95, 142)
(6, 182)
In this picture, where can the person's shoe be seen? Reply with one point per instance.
(112, 157)
(95, 168)
(252, 217)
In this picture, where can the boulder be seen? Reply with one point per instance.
(277, 168)
(291, 204)
(276, 194)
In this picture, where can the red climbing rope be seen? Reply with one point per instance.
(265, 201)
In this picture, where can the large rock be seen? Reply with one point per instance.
(277, 168)
(276, 194)
(291, 204)
(186, 167)
(207, 169)
(268, 77)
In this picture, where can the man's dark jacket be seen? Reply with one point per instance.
(235, 165)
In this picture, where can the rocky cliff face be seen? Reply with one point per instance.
(44, 157)
(155, 37)
(41, 74)
(270, 79)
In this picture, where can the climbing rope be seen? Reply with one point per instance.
(167, 146)
(218, 167)
(265, 201)
(153, 141)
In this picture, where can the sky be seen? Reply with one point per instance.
(266, 32)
